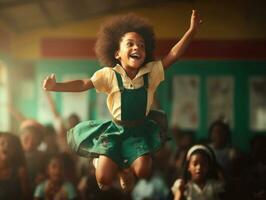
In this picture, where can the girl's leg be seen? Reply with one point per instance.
(127, 179)
(142, 166)
(106, 171)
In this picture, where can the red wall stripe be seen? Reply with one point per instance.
(67, 48)
(199, 49)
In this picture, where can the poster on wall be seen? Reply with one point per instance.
(257, 87)
(75, 102)
(185, 108)
(220, 91)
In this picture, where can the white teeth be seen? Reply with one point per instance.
(135, 55)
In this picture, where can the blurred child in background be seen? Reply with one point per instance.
(31, 133)
(13, 174)
(220, 143)
(200, 180)
(55, 187)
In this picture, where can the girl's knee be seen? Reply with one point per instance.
(104, 178)
(106, 170)
(142, 167)
(143, 172)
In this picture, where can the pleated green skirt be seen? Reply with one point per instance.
(122, 144)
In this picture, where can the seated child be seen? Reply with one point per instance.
(200, 178)
(55, 186)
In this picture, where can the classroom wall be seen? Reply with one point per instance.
(231, 41)
(224, 20)
(240, 71)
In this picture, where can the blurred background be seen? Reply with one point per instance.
(221, 76)
(215, 94)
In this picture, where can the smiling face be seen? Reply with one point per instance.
(198, 167)
(131, 52)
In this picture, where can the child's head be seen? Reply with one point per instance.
(185, 139)
(219, 134)
(72, 120)
(30, 139)
(11, 152)
(200, 164)
(55, 168)
(31, 133)
(116, 36)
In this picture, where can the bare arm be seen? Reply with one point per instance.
(179, 48)
(18, 116)
(52, 104)
(60, 128)
(50, 84)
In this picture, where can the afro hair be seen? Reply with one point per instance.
(112, 32)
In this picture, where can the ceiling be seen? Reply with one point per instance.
(25, 15)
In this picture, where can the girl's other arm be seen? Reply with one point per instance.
(50, 84)
(183, 43)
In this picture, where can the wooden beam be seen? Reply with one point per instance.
(10, 22)
(50, 20)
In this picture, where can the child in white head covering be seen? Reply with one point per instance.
(200, 178)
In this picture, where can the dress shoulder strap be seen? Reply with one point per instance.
(146, 81)
(119, 81)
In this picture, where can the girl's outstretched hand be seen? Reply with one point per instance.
(195, 21)
(49, 82)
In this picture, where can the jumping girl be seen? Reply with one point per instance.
(124, 144)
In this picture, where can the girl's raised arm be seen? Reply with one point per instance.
(50, 84)
(179, 48)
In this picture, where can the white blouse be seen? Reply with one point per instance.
(104, 80)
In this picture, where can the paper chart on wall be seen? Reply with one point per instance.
(257, 88)
(185, 110)
(220, 91)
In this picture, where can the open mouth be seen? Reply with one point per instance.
(135, 56)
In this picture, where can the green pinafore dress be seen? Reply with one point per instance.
(125, 140)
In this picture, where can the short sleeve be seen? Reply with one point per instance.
(39, 191)
(156, 74)
(101, 80)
